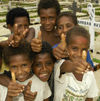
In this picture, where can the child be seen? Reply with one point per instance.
(43, 65)
(26, 87)
(48, 11)
(73, 86)
(18, 21)
(66, 21)
(20, 17)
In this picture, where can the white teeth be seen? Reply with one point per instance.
(42, 75)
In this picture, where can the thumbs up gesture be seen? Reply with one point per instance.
(61, 51)
(28, 94)
(36, 43)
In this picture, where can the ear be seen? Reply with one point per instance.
(10, 27)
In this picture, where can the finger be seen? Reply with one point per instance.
(39, 35)
(36, 41)
(28, 86)
(63, 40)
(13, 76)
(84, 55)
(31, 95)
(15, 29)
(25, 32)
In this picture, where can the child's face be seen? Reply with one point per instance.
(22, 24)
(64, 24)
(43, 66)
(77, 45)
(48, 18)
(21, 66)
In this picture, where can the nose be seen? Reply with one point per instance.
(44, 67)
(79, 53)
(65, 29)
(19, 71)
(47, 21)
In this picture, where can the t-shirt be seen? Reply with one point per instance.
(88, 59)
(68, 88)
(42, 88)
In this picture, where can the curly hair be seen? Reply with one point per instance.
(15, 13)
(45, 4)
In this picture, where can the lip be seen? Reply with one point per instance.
(48, 27)
(21, 78)
(43, 76)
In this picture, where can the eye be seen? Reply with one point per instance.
(38, 65)
(74, 48)
(43, 18)
(24, 65)
(60, 27)
(69, 25)
(48, 63)
(51, 18)
(14, 67)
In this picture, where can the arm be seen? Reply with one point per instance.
(46, 99)
(31, 35)
(4, 80)
(89, 99)
(8, 98)
(4, 43)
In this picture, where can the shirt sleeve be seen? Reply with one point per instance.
(93, 90)
(47, 91)
(3, 93)
(57, 70)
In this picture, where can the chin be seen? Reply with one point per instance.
(21, 80)
(44, 80)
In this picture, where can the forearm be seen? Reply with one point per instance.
(4, 80)
(9, 98)
(46, 99)
(67, 66)
(4, 43)
(89, 99)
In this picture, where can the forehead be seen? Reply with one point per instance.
(21, 20)
(48, 12)
(64, 20)
(42, 57)
(79, 40)
(18, 58)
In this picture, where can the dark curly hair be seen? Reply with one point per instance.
(45, 4)
(15, 13)
(77, 31)
(23, 48)
(68, 14)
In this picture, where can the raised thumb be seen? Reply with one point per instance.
(63, 40)
(39, 35)
(84, 55)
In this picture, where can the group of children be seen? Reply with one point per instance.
(54, 56)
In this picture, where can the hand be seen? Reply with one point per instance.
(14, 89)
(36, 43)
(17, 36)
(80, 66)
(61, 51)
(28, 95)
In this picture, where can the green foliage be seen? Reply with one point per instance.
(98, 99)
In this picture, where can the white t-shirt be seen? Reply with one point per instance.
(42, 88)
(68, 88)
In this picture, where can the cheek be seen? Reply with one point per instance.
(51, 68)
(27, 70)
